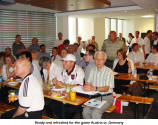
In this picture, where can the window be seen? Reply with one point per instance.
(113, 25)
(107, 27)
(28, 25)
(119, 26)
(72, 29)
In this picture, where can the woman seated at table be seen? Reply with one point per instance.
(49, 70)
(8, 67)
(153, 57)
(136, 56)
(122, 65)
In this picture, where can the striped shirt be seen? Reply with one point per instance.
(102, 78)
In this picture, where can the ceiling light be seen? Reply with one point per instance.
(147, 16)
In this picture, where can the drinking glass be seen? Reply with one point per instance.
(11, 95)
(72, 95)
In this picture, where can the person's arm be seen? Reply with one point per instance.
(102, 89)
(89, 87)
(19, 111)
(143, 47)
(63, 85)
(129, 66)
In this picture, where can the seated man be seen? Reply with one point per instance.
(89, 58)
(152, 59)
(136, 56)
(72, 74)
(31, 99)
(101, 79)
(43, 52)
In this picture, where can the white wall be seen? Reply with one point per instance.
(99, 30)
(85, 28)
(156, 22)
(144, 24)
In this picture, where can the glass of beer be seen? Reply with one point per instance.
(11, 95)
(72, 95)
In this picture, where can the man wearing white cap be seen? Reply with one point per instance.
(72, 74)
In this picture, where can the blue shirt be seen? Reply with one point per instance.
(34, 47)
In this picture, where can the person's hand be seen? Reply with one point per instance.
(86, 87)
(89, 87)
(55, 81)
(137, 64)
(60, 84)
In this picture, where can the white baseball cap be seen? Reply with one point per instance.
(69, 57)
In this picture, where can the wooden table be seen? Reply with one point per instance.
(128, 76)
(66, 100)
(147, 67)
(11, 86)
(47, 94)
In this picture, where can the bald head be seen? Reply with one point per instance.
(22, 67)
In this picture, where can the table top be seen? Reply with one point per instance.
(147, 67)
(79, 100)
(47, 93)
(11, 86)
(128, 76)
(136, 99)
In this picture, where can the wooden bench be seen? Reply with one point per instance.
(109, 110)
(153, 87)
(138, 100)
(5, 107)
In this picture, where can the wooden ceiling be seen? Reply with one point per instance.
(67, 5)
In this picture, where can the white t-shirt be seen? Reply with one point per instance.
(58, 42)
(153, 58)
(31, 94)
(136, 57)
(76, 77)
(140, 42)
(155, 42)
(147, 45)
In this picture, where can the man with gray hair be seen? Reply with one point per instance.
(101, 79)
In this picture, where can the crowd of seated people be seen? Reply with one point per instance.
(78, 64)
